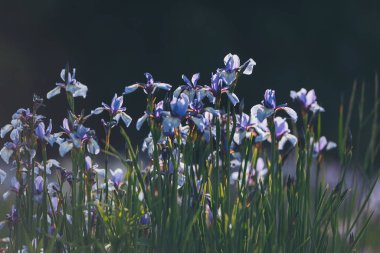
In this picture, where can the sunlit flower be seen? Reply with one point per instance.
(322, 144)
(45, 134)
(115, 110)
(233, 67)
(78, 136)
(269, 107)
(307, 99)
(70, 84)
(149, 87)
(283, 133)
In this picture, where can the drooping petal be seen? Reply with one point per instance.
(131, 88)
(93, 146)
(15, 136)
(126, 119)
(247, 67)
(5, 129)
(65, 147)
(81, 90)
(170, 123)
(97, 111)
(260, 112)
(163, 86)
(293, 115)
(53, 92)
(331, 145)
(315, 108)
(233, 98)
(141, 121)
(239, 136)
(285, 138)
(6, 154)
(198, 121)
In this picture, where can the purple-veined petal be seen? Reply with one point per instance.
(126, 119)
(247, 67)
(5, 129)
(93, 146)
(65, 147)
(141, 121)
(117, 103)
(163, 86)
(97, 111)
(233, 98)
(53, 92)
(131, 88)
(293, 115)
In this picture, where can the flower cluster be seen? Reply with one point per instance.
(196, 140)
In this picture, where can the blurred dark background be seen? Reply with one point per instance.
(112, 43)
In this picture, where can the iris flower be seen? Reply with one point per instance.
(307, 99)
(70, 84)
(268, 107)
(45, 134)
(283, 133)
(149, 87)
(78, 136)
(233, 68)
(115, 110)
(178, 106)
(322, 144)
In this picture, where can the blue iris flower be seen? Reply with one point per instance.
(149, 87)
(268, 107)
(70, 84)
(115, 110)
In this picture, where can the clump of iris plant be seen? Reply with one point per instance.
(208, 176)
